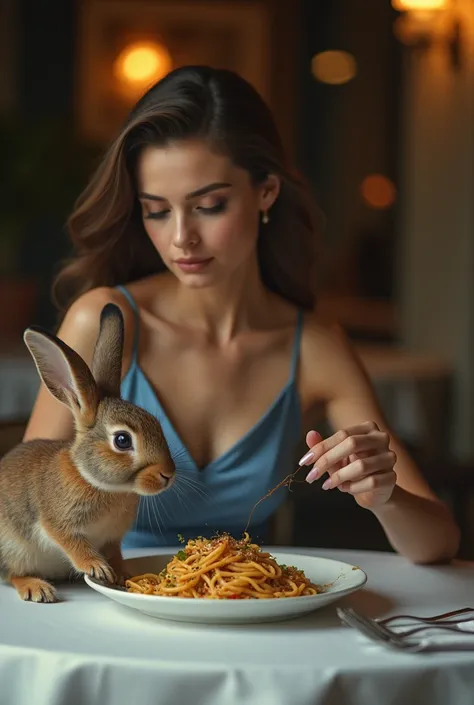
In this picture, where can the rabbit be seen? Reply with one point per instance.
(67, 504)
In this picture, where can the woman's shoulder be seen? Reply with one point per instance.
(81, 323)
(323, 333)
(84, 312)
(328, 358)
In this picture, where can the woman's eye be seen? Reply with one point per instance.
(156, 215)
(213, 210)
(205, 210)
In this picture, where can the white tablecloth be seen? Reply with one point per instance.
(88, 650)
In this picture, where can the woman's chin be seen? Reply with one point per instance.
(194, 281)
(198, 280)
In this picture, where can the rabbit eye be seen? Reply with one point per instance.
(123, 441)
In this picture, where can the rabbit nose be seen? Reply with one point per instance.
(154, 479)
(167, 478)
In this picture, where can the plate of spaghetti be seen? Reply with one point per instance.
(226, 580)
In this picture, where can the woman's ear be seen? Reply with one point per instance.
(269, 191)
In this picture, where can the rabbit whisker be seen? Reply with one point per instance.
(181, 495)
(189, 484)
(158, 519)
(163, 506)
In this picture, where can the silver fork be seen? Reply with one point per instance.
(377, 632)
(439, 619)
(445, 626)
(380, 633)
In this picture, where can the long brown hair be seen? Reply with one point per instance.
(220, 107)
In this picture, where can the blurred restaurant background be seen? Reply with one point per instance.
(375, 102)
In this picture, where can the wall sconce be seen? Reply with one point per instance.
(426, 23)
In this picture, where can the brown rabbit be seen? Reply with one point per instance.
(67, 504)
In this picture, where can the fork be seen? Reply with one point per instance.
(439, 619)
(378, 632)
(445, 626)
(375, 631)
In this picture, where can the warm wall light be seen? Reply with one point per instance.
(142, 63)
(378, 191)
(334, 67)
(424, 23)
(419, 5)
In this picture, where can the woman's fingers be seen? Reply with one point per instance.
(360, 469)
(376, 442)
(321, 447)
(373, 483)
(358, 460)
(312, 438)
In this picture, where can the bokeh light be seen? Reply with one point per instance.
(378, 191)
(419, 5)
(334, 67)
(141, 63)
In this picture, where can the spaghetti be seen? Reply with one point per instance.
(223, 568)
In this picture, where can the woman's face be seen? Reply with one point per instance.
(200, 211)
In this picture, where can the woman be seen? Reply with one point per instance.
(194, 209)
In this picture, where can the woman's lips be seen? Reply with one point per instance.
(193, 264)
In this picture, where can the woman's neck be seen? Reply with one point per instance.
(224, 310)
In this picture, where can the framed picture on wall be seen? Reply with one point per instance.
(124, 46)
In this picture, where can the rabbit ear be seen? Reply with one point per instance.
(65, 374)
(107, 360)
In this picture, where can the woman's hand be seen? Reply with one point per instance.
(358, 460)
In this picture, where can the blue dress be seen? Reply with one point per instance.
(220, 496)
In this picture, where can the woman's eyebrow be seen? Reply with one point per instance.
(194, 194)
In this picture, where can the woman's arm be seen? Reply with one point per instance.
(79, 329)
(369, 461)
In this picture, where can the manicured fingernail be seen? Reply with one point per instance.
(312, 475)
(327, 485)
(306, 459)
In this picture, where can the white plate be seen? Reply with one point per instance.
(341, 579)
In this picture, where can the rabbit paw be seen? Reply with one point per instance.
(100, 571)
(34, 590)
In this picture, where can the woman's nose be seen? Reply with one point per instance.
(184, 234)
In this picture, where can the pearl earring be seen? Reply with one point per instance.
(265, 218)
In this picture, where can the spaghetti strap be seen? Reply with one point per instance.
(296, 344)
(133, 305)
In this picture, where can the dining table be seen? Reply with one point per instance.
(89, 650)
